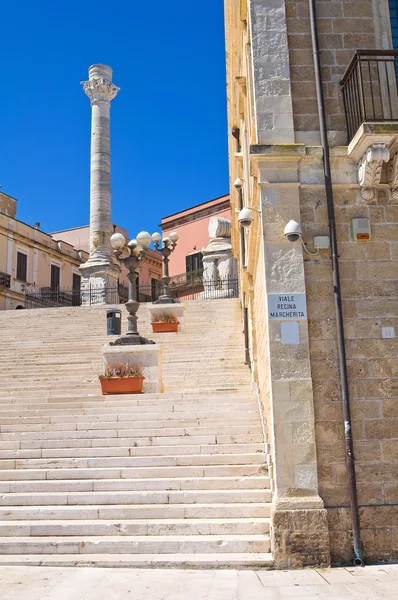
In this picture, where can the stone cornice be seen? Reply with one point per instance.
(272, 151)
(369, 134)
(199, 214)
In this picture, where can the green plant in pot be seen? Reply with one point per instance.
(122, 378)
(165, 323)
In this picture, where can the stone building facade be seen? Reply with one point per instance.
(192, 226)
(31, 259)
(275, 151)
(150, 268)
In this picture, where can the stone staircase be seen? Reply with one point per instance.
(172, 479)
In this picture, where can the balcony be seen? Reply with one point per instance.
(370, 95)
(5, 280)
(369, 88)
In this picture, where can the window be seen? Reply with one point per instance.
(394, 22)
(76, 280)
(55, 277)
(154, 289)
(22, 266)
(194, 262)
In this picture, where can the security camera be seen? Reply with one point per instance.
(292, 231)
(246, 217)
(238, 183)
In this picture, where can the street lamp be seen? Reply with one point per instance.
(137, 250)
(169, 244)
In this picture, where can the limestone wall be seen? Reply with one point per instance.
(260, 345)
(344, 27)
(299, 384)
(369, 272)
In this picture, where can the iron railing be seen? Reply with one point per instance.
(369, 88)
(146, 292)
(5, 280)
(206, 290)
(186, 278)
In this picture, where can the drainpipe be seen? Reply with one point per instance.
(246, 330)
(350, 460)
(236, 135)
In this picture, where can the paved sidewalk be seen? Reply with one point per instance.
(66, 583)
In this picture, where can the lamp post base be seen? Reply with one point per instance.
(166, 301)
(131, 340)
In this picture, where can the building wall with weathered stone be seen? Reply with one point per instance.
(369, 276)
(272, 100)
(344, 26)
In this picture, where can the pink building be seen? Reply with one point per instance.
(79, 237)
(192, 227)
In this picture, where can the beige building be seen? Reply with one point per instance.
(150, 269)
(290, 291)
(31, 260)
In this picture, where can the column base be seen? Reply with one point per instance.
(300, 532)
(99, 283)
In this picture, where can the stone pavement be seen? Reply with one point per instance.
(68, 583)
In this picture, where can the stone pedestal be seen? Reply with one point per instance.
(300, 531)
(220, 270)
(148, 357)
(176, 309)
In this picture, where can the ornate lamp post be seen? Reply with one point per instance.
(169, 244)
(137, 250)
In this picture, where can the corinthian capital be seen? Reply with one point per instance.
(99, 89)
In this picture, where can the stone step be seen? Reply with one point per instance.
(133, 473)
(132, 451)
(71, 398)
(133, 442)
(137, 511)
(98, 402)
(156, 544)
(222, 560)
(187, 407)
(139, 416)
(135, 461)
(148, 421)
(135, 497)
(121, 426)
(172, 479)
(135, 527)
(89, 485)
(109, 433)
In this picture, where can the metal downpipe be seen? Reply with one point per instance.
(350, 460)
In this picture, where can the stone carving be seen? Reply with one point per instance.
(100, 89)
(369, 169)
(219, 264)
(392, 172)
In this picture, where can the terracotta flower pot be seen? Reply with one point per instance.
(121, 385)
(164, 327)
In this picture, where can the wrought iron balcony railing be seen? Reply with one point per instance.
(369, 88)
(5, 280)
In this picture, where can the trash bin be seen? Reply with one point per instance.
(114, 322)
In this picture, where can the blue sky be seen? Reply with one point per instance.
(168, 122)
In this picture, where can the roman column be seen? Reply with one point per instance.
(100, 273)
